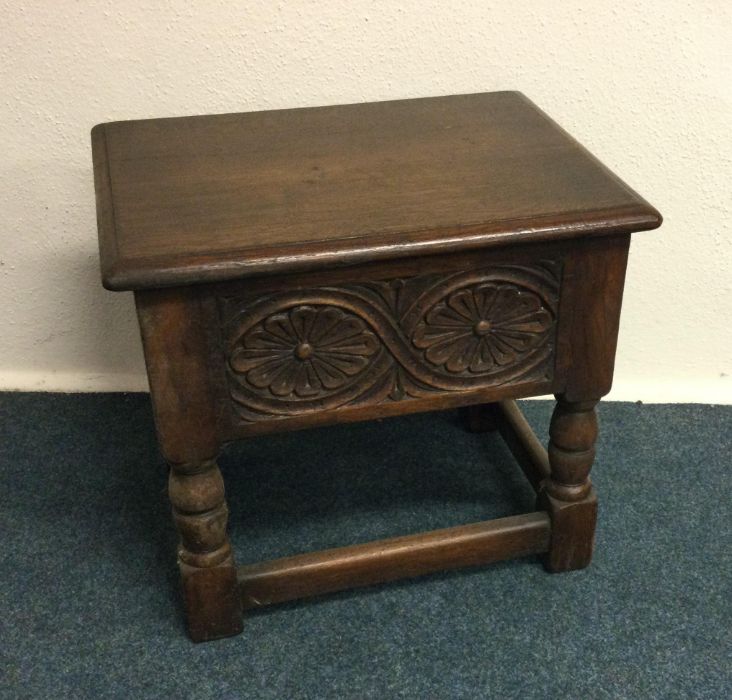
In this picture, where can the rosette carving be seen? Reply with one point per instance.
(305, 350)
(300, 350)
(481, 328)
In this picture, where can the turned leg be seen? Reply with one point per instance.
(567, 494)
(479, 418)
(210, 591)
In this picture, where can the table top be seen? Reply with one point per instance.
(200, 199)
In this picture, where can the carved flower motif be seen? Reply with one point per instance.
(306, 350)
(482, 328)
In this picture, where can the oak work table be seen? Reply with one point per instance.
(301, 267)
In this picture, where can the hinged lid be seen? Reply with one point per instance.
(201, 199)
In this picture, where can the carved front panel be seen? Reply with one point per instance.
(300, 351)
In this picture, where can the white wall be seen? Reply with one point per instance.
(645, 85)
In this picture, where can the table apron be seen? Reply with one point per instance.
(294, 351)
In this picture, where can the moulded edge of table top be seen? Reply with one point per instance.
(119, 274)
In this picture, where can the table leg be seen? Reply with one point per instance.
(568, 495)
(210, 591)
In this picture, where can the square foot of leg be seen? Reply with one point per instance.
(212, 602)
(573, 532)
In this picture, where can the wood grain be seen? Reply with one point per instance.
(399, 557)
(530, 454)
(314, 266)
(176, 346)
(304, 350)
(567, 495)
(226, 196)
(594, 278)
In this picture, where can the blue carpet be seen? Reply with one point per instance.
(89, 604)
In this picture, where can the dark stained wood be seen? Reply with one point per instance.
(572, 435)
(212, 602)
(594, 275)
(568, 495)
(309, 267)
(177, 356)
(386, 560)
(378, 411)
(573, 532)
(395, 311)
(524, 445)
(397, 307)
(219, 197)
(205, 559)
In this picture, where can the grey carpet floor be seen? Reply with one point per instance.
(88, 598)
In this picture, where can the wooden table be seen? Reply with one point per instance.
(311, 266)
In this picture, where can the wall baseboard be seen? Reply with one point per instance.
(660, 390)
(71, 382)
(663, 390)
